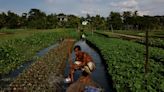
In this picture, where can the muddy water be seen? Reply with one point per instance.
(100, 75)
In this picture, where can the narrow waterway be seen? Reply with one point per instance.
(6, 79)
(100, 75)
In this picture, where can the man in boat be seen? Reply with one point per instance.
(84, 62)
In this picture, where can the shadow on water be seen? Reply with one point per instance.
(6, 79)
(100, 75)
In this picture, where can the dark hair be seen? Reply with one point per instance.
(77, 46)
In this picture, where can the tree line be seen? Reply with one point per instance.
(36, 19)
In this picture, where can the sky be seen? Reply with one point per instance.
(83, 7)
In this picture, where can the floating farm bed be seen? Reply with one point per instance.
(46, 73)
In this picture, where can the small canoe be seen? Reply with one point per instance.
(80, 86)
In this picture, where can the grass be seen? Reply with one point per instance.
(9, 34)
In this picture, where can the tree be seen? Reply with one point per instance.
(161, 18)
(128, 19)
(3, 17)
(52, 21)
(73, 21)
(37, 19)
(12, 20)
(157, 22)
(114, 21)
(24, 20)
(98, 22)
(135, 20)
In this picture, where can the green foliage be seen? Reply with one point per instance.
(51, 21)
(7, 31)
(154, 40)
(14, 52)
(38, 19)
(126, 64)
(73, 21)
(45, 72)
(98, 22)
(12, 20)
(114, 21)
(2, 20)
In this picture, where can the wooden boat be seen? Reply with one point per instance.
(80, 85)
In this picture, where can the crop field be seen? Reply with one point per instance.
(157, 41)
(125, 61)
(46, 73)
(9, 34)
(81, 46)
(154, 33)
(13, 52)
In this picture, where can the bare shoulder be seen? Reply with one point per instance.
(87, 56)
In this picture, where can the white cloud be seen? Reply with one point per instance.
(87, 0)
(82, 7)
(2, 10)
(50, 1)
(128, 4)
(151, 7)
(87, 11)
(161, 1)
(91, 11)
(141, 13)
(90, 1)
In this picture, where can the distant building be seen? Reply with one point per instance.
(62, 17)
(84, 22)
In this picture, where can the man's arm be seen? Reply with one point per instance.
(83, 61)
(86, 59)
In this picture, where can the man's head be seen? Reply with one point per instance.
(77, 49)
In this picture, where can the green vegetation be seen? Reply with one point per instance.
(6, 31)
(125, 61)
(9, 34)
(154, 39)
(37, 19)
(16, 51)
(153, 34)
(153, 42)
(46, 73)
(20, 39)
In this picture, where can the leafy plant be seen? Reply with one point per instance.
(125, 61)
(15, 52)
